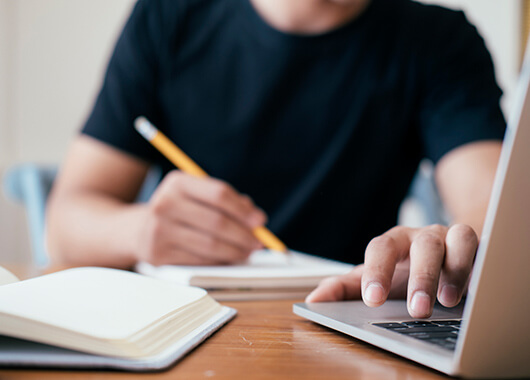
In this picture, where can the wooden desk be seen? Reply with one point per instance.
(266, 341)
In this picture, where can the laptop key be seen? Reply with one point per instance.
(444, 343)
(418, 323)
(442, 333)
(448, 323)
(428, 335)
(389, 325)
(427, 329)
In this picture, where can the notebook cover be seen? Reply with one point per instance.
(26, 354)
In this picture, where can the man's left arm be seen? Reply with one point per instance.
(430, 262)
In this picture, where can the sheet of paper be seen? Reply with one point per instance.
(6, 277)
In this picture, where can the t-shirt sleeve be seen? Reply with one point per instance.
(130, 85)
(461, 99)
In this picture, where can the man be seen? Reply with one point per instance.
(320, 111)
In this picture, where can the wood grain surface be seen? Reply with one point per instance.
(265, 341)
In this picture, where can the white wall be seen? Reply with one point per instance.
(52, 57)
(13, 241)
(4, 64)
(60, 53)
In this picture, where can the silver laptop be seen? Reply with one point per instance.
(489, 337)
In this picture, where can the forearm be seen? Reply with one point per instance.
(473, 217)
(93, 229)
(465, 179)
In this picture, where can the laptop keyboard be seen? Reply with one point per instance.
(442, 333)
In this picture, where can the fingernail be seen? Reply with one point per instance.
(374, 293)
(421, 302)
(449, 295)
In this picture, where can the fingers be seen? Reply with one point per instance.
(214, 223)
(381, 257)
(186, 245)
(221, 196)
(461, 244)
(345, 287)
(427, 253)
(215, 207)
(173, 255)
(439, 261)
(204, 217)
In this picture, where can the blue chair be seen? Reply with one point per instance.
(30, 184)
(423, 195)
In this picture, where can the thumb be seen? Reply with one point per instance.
(338, 288)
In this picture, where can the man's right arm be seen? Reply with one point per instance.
(92, 218)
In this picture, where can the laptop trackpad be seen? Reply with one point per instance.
(356, 313)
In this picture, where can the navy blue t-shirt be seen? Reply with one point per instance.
(324, 132)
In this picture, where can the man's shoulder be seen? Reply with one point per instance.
(427, 27)
(416, 9)
(172, 8)
(431, 18)
(167, 18)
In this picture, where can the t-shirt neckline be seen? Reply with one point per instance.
(272, 37)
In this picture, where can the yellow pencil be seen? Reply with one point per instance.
(181, 160)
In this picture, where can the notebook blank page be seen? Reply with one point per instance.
(101, 302)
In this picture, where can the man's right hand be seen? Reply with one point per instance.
(197, 221)
(93, 219)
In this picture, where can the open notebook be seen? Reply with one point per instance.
(102, 318)
(266, 275)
